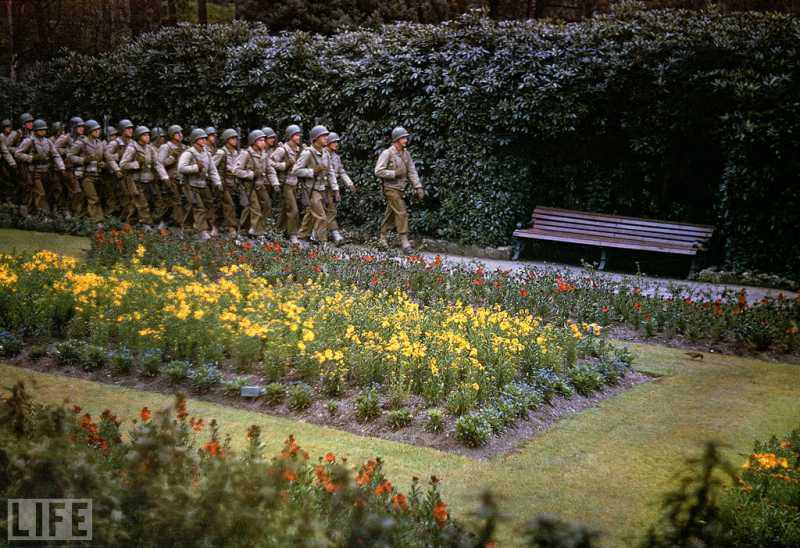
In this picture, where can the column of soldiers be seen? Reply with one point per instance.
(215, 186)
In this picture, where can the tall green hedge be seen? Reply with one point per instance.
(668, 114)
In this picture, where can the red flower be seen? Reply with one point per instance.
(400, 502)
(477, 281)
(523, 293)
(247, 246)
(637, 306)
(564, 286)
(197, 425)
(604, 310)
(440, 514)
(145, 414)
(213, 448)
(76, 409)
(182, 412)
(289, 475)
(330, 457)
(384, 488)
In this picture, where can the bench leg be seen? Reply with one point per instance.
(693, 265)
(519, 245)
(603, 259)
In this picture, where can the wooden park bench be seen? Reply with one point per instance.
(605, 231)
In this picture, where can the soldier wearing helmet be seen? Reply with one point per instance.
(114, 152)
(255, 170)
(108, 183)
(211, 141)
(65, 192)
(313, 170)
(340, 175)
(87, 156)
(283, 158)
(197, 167)
(140, 162)
(8, 164)
(225, 160)
(177, 197)
(39, 154)
(395, 169)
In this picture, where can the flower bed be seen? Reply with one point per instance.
(486, 365)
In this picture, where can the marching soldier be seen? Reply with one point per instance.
(114, 149)
(168, 155)
(65, 194)
(24, 176)
(109, 184)
(395, 168)
(225, 160)
(211, 143)
(158, 137)
(140, 162)
(8, 165)
(87, 157)
(313, 169)
(283, 158)
(39, 154)
(16, 137)
(197, 167)
(254, 167)
(339, 174)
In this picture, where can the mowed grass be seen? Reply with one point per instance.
(27, 241)
(608, 466)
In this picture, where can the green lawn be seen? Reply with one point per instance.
(607, 466)
(28, 241)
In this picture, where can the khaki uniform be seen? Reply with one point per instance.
(65, 192)
(197, 168)
(225, 160)
(314, 170)
(283, 158)
(339, 174)
(8, 165)
(117, 186)
(176, 197)
(39, 154)
(87, 157)
(257, 171)
(389, 163)
(140, 163)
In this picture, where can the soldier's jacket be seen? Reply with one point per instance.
(211, 147)
(63, 144)
(141, 161)
(283, 166)
(87, 155)
(15, 138)
(304, 169)
(168, 155)
(225, 160)
(388, 162)
(114, 150)
(189, 166)
(5, 152)
(338, 170)
(40, 153)
(255, 165)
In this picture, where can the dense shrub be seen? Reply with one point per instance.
(670, 114)
(473, 430)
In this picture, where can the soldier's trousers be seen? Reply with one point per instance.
(93, 206)
(290, 213)
(258, 210)
(226, 210)
(396, 212)
(57, 189)
(138, 206)
(331, 211)
(315, 219)
(8, 182)
(202, 207)
(109, 193)
(36, 198)
(172, 203)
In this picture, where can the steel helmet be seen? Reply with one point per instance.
(317, 132)
(124, 124)
(292, 130)
(156, 132)
(5, 123)
(333, 137)
(228, 134)
(91, 125)
(111, 131)
(39, 124)
(76, 121)
(139, 131)
(197, 133)
(254, 136)
(210, 130)
(398, 133)
(25, 118)
(174, 129)
(269, 132)
(57, 127)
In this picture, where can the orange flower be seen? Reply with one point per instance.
(247, 246)
(197, 425)
(384, 488)
(440, 514)
(604, 310)
(213, 448)
(325, 479)
(742, 298)
(364, 475)
(289, 475)
(145, 414)
(523, 293)
(770, 460)
(182, 412)
(400, 502)
(76, 409)
(330, 457)
(637, 306)
(564, 286)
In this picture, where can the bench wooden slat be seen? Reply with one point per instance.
(700, 233)
(536, 233)
(649, 225)
(586, 240)
(611, 234)
(618, 218)
(604, 229)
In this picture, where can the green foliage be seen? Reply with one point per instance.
(669, 114)
(585, 379)
(10, 344)
(368, 405)
(150, 362)
(398, 418)
(177, 371)
(121, 361)
(332, 408)
(274, 394)
(473, 430)
(204, 377)
(435, 422)
(70, 353)
(233, 387)
(299, 397)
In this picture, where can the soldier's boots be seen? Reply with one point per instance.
(338, 239)
(204, 235)
(232, 232)
(293, 240)
(214, 232)
(405, 245)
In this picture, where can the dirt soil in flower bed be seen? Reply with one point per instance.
(628, 334)
(415, 434)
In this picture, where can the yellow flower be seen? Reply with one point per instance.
(140, 251)
(301, 346)
(198, 314)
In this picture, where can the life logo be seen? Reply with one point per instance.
(49, 519)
